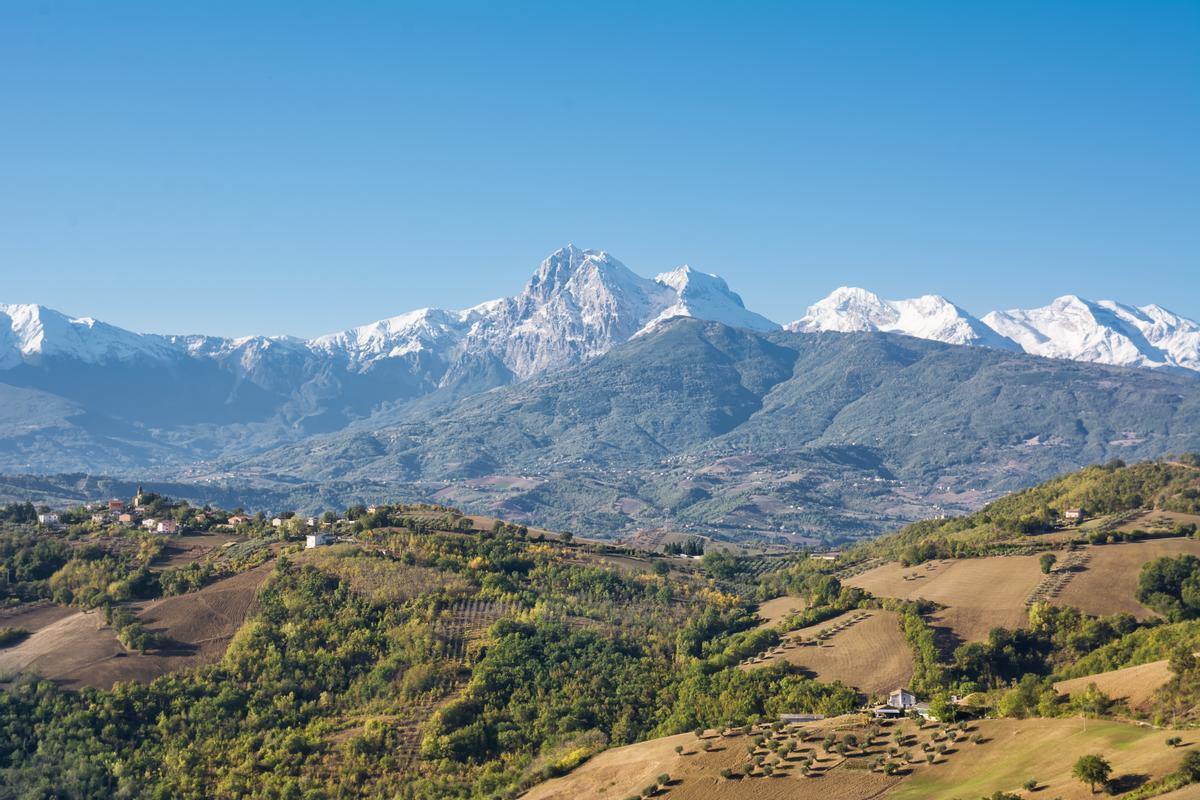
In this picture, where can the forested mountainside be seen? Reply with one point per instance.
(698, 424)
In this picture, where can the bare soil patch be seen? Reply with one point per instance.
(1109, 583)
(64, 649)
(1135, 685)
(81, 650)
(863, 649)
(980, 593)
(34, 617)
(184, 550)
(775, 611)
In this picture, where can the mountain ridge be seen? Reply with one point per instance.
(580, 303)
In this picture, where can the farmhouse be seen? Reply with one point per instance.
(238, 519)
(167, 526)
(1074, 515)
(899, 703)
(318, 539)
(126, 518)
(48, 519)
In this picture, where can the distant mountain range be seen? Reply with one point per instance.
(1104, 332)
(612, 413)
(578, 304)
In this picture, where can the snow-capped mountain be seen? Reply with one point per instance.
(578, 304)
(705, 296)
(1106, 332)
(927, 317)
(30, 333)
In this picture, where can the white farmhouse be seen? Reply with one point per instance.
(318, 539)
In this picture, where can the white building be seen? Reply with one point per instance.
(318, 539)
(899, 703)
(167, 526)
(48, 519)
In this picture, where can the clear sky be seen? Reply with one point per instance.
(299, 167)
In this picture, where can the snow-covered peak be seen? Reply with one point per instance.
(423, 329)
(848, 309)
(32, 333)
(704, 296)
(930, 316)
(1105, 332)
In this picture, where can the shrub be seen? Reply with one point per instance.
(10, 636)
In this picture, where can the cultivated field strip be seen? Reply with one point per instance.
(1052, 585)
(457, 627)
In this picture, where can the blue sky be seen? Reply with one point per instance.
(300, 167)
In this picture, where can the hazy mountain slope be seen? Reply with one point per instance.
(177, 399)
(697, 422)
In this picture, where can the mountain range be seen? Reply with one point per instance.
(531, 404)
(578, 304)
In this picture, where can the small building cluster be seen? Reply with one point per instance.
(899, 703)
